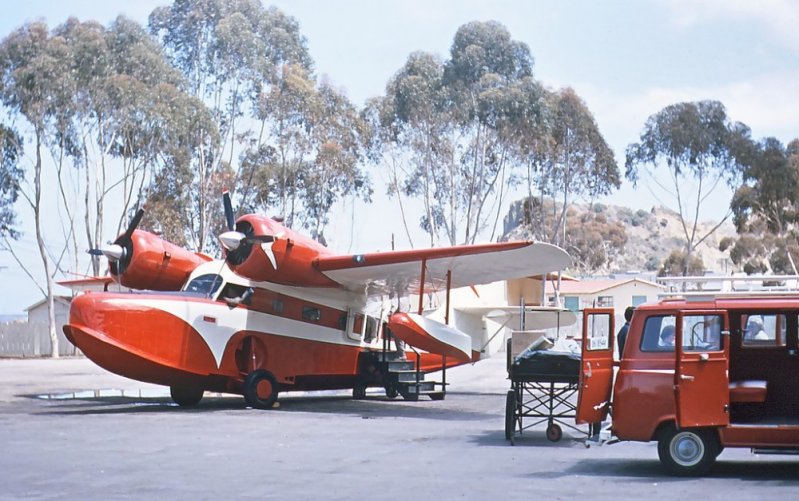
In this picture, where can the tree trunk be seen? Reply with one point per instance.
(37, 209)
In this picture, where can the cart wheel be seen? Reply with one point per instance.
(554, 433)
(510, 415)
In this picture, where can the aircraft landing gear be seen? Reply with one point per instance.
(260, 389)
(186, 396)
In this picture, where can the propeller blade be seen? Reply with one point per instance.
(229, 216)
(95, 252)
(113, 252)
(260, 239)
(133, 224)
(267, 248)
(231, 240)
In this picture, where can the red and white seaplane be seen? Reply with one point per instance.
(283, 313)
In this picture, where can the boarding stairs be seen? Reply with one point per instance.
(401, 376)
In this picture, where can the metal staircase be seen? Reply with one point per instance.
(402, 377)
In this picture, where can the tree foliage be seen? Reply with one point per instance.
(765, 210)
(692, 142)
(593, 241)
(459, 133)
(570, 159)
(278, 128)
(11, 150)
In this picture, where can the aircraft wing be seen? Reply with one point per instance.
(88, 283)
(535, 317)
(402, 271)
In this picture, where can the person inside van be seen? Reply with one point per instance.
(667, 337)
(754, 329)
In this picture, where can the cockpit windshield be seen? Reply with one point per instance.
(204, 284)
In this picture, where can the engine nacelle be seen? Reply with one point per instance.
(151, 263)
(287, 259)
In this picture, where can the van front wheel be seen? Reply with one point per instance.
(687, 452)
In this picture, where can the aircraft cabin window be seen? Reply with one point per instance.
(204, 284)
(277, 306)
(311, 313)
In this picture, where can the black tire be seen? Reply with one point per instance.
(186, 396)
(359, 391)
(391, 392)
(510, 415)
(260, 389)
(688, 452)
(554, 433)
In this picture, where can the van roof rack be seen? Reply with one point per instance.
(710, 287)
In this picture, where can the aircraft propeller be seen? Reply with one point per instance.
(238, 240)
(120, 252)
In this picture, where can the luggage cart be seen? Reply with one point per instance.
(538, 396)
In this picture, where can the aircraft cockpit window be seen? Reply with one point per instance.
(205, 284)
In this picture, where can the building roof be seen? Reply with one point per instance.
(61, 299)
(596, 286)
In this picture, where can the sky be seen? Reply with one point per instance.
(626, 59)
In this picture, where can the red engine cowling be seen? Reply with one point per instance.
(152, 263)
(292, 254)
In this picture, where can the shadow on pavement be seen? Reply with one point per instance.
(372, 407)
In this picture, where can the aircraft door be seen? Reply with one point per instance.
(701, 380)
(596, 365)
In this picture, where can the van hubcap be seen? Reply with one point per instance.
(687, 449)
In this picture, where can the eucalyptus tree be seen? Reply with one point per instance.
(123, 91)
(311, 156)
(691, 142)
(452, 127)
(32, 69)
(481, 78)
(232, 55)
(413, 135)
(569, 159)
(765, 210)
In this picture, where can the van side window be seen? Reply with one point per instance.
(701, 332)
(763, 329)
(657, 332)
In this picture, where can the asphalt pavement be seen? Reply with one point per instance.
(71, 430)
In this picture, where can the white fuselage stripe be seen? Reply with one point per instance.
(228, 322)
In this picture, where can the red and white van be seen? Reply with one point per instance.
(731, 378)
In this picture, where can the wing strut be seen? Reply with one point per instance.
(421, 285)
(449, 283)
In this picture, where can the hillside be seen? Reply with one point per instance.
(650, 236)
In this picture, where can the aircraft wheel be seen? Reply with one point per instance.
(510, 415)
(260, 389)
(186, 396)
(359, 391)
(687, 452)
(554, 433)
(391, 392)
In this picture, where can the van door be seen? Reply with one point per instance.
(701, 381)
(596, 365)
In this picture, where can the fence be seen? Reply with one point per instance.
(22, 339)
